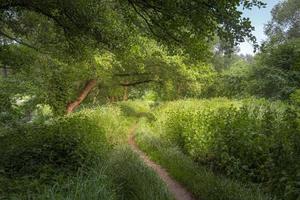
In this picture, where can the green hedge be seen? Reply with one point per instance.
(252, 140)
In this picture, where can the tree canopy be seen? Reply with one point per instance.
(109, 22)
(285, 23)
(121, 44)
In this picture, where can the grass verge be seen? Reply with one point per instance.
(122, 177)
(197, 179)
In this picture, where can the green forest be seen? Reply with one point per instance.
(148, 100)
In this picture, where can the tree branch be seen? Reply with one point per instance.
(18, 41)
(83, 94)
(152, 21)
(143, 17)
(138, 83)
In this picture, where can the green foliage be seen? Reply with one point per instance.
(73, 157)
(91, 184)
(61, 144)
(272, 83)
(136, 109)
(252, 140)
(221, 61)
(202, 182)
(295, 97)
(135, 180)
(231, 82)
(122, 176)
(285, 21)
(45, 79)
(114, 122)
(269, 76)
(150, 96)
(283, 56)
(109, 23)
(49, 49)
(274, 72)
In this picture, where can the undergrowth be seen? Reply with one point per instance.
(253, 140)
(75, 157)
(199, 180)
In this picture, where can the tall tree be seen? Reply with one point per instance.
(70, 32)
(285, 23)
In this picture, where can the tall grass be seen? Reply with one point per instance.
(92, 184)
(251, 140)
(199, 180)
(122, 177)
(136, 181)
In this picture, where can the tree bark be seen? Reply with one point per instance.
(125, 95)
(83, 94)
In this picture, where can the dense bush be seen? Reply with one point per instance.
(230, 82)
(199, 180)
(64, 143)
(251, 140)
(274, 73)
(61, 144)
(254, 80)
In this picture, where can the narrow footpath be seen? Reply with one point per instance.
(178, 191)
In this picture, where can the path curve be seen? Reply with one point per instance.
(178, 191)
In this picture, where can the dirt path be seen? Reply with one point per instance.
(178, 191)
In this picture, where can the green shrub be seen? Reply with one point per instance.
(202, 182)
(252, 140)
(295, 97)
(137, 109)
(66, 143)
(115, 124)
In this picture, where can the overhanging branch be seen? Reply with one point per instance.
(138, 82)
(18, 41)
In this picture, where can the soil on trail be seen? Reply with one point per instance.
(178, 191)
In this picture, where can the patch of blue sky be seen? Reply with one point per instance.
(258, 17)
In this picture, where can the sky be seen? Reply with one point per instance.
(258, 17)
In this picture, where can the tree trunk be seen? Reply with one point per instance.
(83, 94)
(125, 96)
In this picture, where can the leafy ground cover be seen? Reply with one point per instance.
(253, 141)
(75, 157)
(201, 181)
